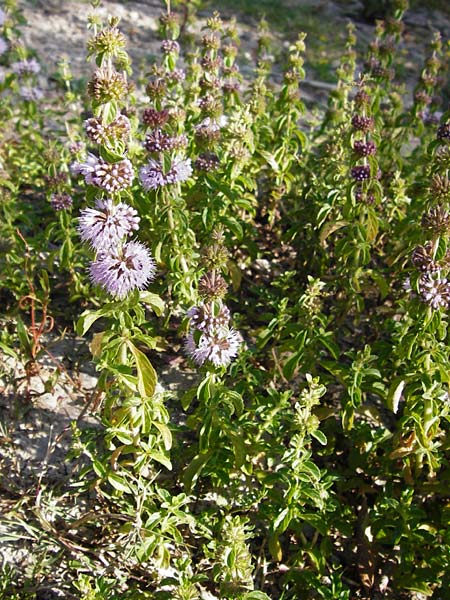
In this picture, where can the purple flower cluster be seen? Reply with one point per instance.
(365, 197)
(153, 177)
(119, 129)
(428, 117)
(61, 201)
(112, 178)
(206, 317)
(176, 76)
(160, 172)
(360, 172)
(422, 258)
(120, 265)
(26, 67)
(435, 290)
(123, 269)
(31, 94)
(364, 148)
(155, 118)
(26, 70)
(158, 141)
(362, 123)
(3, 46)
(207, 162)
(361, 98)
(443, 132)
(210, 338)
(76, 147)
(170, 47)
(209, 126)
(421, 97)
(107, 224)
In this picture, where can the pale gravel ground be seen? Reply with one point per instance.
(58, 29)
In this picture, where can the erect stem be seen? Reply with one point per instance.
(173, 231)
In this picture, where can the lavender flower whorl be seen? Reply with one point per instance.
(122, 270)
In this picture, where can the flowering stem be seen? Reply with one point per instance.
(173, 231)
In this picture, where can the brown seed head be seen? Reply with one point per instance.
(105, 87)
(440, 187)
(212, 286)
(437, 220)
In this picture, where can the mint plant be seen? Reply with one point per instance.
(260, 285)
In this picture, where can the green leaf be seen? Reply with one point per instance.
(24, 337)
(292, 363)
(187, 398)
(421, 587)
(96, 344)
(233, 225)
(239, 448)
(316, 521)
(270, 159)
(235, 274)
(205, 432)
(281, 523)
(320, 437)
(301, 137)
(165, 434)
(441, 249)
(256, 595)
(44, 281)
(312, 469)
(147, 377)
(348, 415)
(88, 318)
(119, 483)
(9, 351)
(204, 389)
(146, 548)
(110, 156)
(330, 228)
(99, 469)
(395, 394)
(154, 301)
(194, 469)
(330, 345)
(382, 284)
(275, 548)
(124, 436)
(372, 225)
(161, 458)
(237, 401)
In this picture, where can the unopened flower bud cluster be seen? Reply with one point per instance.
(210, 338)
(426, 99)
(433, 268)
(363, 147)
(167, 163)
